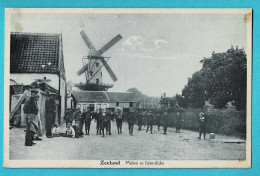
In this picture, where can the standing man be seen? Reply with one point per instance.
(202, 125)
(103, 118)
(31, 110)
(97, 119)
(109, 118)
(178, 122)
(86, 117)
(50, 114)
(119, 119)
(165, 121)
(131, 121)
(158, 120)
(140, 120)
(149, 122)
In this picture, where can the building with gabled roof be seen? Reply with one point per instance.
(102, 99)
(39, 56)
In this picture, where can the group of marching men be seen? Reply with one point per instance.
(103, 118)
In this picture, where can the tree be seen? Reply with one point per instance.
(221, 79)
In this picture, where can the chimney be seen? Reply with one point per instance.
(164, 95)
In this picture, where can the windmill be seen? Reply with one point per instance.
(93, 63)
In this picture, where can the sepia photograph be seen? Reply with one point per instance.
(128, 88)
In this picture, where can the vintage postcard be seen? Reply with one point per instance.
(128, 88)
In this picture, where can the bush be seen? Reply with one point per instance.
(219, 121)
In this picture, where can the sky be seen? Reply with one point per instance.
(158, 52)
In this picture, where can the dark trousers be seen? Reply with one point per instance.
(159, 127)
(29, 135)
(165, 129)
(202, 130)
(98, 127)
(29, 138)
(131, 127)
(48, 125)
(178, 127)
(108, 126)
(119, 125)
(139, 126)
(102, 127)
(87, 126)
(149, 126)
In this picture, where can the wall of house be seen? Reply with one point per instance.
(63, 93)
(84, 105)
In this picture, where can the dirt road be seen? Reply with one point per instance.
(173, 146)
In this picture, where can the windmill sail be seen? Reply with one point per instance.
(86, 40)
(82, 70)
(110, 44)
(109, 70)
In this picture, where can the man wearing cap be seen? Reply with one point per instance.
(97, 116)
(31, 110)
(140, 120)
(131, 120)
(178, 122)
(119, 119)
(165, 121)
(109, 118)
(86, 118)
(158, 120)
(50, 114)
(202, 125)
(149, 122)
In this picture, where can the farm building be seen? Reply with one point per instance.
(102, 99)
(36, 60)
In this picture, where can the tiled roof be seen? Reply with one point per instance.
(36, 53)
(121, 97)
(90, 96)
(101, 96)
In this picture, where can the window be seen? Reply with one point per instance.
(91, 73)
(131, 104)
(97, 81)
(117, 103)
(97, 64)
(85, 106)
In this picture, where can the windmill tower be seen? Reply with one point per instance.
(93, 63)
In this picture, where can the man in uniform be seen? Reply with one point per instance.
(149, 122)
(140, 120)
(158, 120)
(131, 121)
(178, 122)
(202, 125)
(103, 119)
(119, 119)
(31, 110)
(108, 125)
(165, 121)
(50, 114)
(86, 118)
(97, 119)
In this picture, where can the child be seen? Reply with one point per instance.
(56, 130)
(77, 132)
(70, 131)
